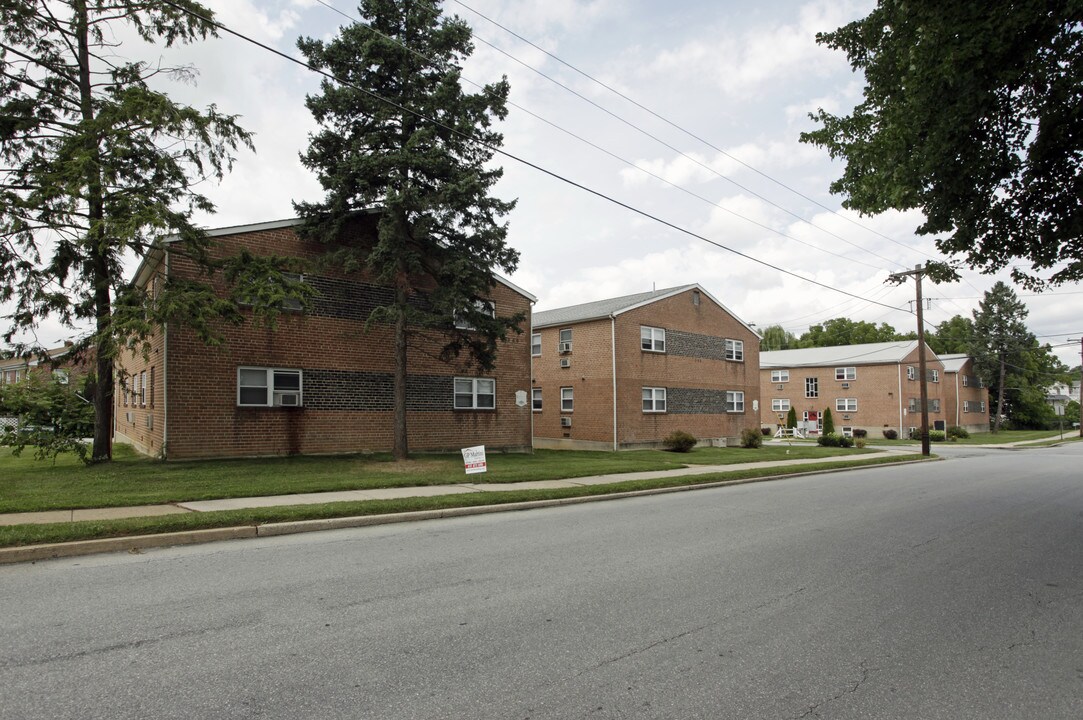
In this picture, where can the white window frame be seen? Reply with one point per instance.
(812, 387)
(735, 401)
(780, 376)
(561, 334)
(735, 350)
(846, 373)
(652, 339)
(780, 404)
(536, 399)
(966, 405)
(847, 430)
(655, 398)
(934, 405)
(142, 388)
(567, 399)
(911, 372)
(475, 393)
(535, 345)
(482, 306)
(981, 406)
(934, 375)
(272, 395)
(847, 405)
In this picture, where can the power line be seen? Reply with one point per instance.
(510, 156)
(599, 148)
(677, 127)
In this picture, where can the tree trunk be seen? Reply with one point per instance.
(400, 449)
(1000, 396)
(97, 253)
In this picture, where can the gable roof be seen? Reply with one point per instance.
(155, 253)
(611, 307)
(954, 362)
(865, 354)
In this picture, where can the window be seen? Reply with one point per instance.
(847, 431)
(933, 375)
(914, 405)
(152, 387)
(735, 401)
(780, 376)
(535, 344)
(934, 405)
(652, 339)
(654, 400)
(268, 387)
(61, 376)
(143, 388)
(966, 404)
(481, 306)
(911, 372)
(846, 373)
(567, 399)
(735, 350)
(536, 399)
(812, 387)
(475, 394)
(981, 406)
(780, 405)
(565, 344)
(293, 303)
(966, 382)
(846, 404)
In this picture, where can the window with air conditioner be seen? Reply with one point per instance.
(269, 387)
(565, 341)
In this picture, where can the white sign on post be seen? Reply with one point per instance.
(474, 459)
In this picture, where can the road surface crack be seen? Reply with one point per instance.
(849, 690)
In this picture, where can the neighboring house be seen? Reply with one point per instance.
(966, 397)
(871, 386)
(626, 372)
(56, 360)
(318, 382)
(1060, 394)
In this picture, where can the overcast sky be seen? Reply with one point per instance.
(741, 76)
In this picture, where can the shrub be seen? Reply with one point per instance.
(891, 434)
(679, 441)
(859, 442)
(791, 418)
(829, 422)
(860, 432)
(937, 436)
(751, 438)
(957, 432)
(765, 432)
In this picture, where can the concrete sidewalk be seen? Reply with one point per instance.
(240, 503)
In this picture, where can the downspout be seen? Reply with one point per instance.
(958, 402)
(530, 394)
(165, 376)
(613, 355)
(900, 402)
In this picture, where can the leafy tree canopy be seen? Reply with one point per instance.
(972, 112)
(954, 335)
(844, 331)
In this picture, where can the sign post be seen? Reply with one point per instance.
(474, 459)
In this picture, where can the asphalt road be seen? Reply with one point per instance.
(945, 590)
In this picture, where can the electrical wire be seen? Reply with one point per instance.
(505, 153)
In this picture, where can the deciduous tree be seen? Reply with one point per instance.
(971, 112)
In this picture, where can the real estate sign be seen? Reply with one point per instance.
(474, 459)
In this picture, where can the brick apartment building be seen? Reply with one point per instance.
(872, 386)
(967, 397)
(57, 361)
(627, 371)
(318, 382)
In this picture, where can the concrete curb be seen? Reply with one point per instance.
(33, 553)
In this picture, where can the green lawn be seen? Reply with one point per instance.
(28, 485)
(19, 535)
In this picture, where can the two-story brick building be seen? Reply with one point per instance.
(625, 372)
(966, 395)
(319, 382)
(871, 386)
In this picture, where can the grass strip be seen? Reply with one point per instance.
(21, 535)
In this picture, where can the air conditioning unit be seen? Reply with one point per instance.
(288, 399)
(846, 386)
(565, 362)
(565, 347)
(781, 387)
(565, 421)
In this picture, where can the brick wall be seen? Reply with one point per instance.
(963, 402)
(346, 376)
(878, 389)
(693, 370)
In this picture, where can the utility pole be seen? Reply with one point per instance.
(1080, 385)
(899, 277)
